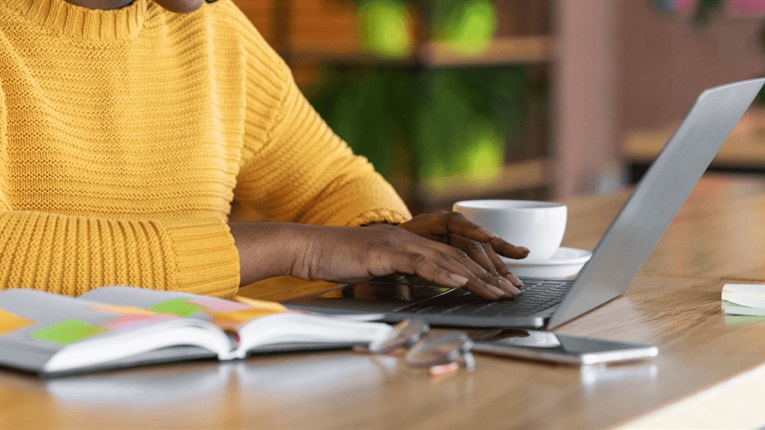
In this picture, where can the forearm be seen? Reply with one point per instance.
(266, 249)
(311, 252)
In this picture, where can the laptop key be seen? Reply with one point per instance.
(535, 297)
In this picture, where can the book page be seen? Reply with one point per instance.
(226, 314)
(43, 321)
(294, 331)
(36, 327)
(256, 325)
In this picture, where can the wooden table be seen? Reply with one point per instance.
(744, 149)
(718, 236)
(742, 152)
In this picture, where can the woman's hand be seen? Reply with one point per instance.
(480, 244)
(341, 253)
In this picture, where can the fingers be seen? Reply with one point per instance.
(442, 223)
(492, 269)
(485, 254)
(468, 263)
(451, 267)
(507, 249)
(501, 266)
(483, 279)
(457, 223)
(333, 253)
(419, 264)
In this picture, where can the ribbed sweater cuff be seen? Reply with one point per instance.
(207, 261)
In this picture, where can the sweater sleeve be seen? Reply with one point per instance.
(303, 172)
(71, 255)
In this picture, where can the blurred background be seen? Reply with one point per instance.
(539, 99)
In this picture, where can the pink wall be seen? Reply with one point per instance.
(623, 66)
(585, 82)
(666, 61)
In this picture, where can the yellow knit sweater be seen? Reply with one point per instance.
(125, 135)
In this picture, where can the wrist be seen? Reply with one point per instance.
(266, 249)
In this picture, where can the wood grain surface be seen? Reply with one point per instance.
(675, 303)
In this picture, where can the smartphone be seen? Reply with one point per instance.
(561, 349)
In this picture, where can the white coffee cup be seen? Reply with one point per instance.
(537, 225)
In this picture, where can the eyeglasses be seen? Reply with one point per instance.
(440, 354)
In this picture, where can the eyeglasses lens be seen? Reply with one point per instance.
(440, 354)
(442, 349)
(404, 334)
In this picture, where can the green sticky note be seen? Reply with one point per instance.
(66, 332)
(743, 319)
(180, 307)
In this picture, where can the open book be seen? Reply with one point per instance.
(112, 327)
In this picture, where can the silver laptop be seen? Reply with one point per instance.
(615, 261)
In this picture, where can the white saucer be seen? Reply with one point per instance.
(564, 263)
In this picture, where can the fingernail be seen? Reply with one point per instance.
(509, 286)
(497, 291)
(458, 279)
(514, 279)
(523, 248)
(488, 232)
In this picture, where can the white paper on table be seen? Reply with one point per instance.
(749, 302)
(754, 291)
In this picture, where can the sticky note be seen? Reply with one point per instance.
(180, 307)
(743, 319)
(260, 304)
(10, 322)
(122, 310)
(217, 305)
(232, 320)
(133, 321)
(66, 332)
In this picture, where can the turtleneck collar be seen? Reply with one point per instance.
(80, 22)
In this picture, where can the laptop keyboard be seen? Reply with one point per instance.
(536, 296)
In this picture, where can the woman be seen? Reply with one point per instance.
(128, 128)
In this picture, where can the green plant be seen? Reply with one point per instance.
(452, 120)
(467, 25)
(443, 120)
(383, 26)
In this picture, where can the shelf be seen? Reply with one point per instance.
(509, 50)
(742, 151)
(519, 176)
